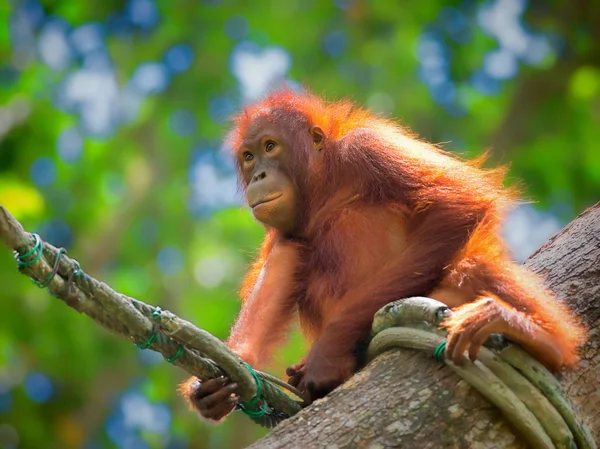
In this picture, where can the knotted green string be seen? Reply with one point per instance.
(176, 356)
(438, 352)
(157, 313)
(38, 247)
(145, 345)
(36, 253)
(244, 406)
(46, 282)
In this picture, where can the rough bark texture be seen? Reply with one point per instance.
(570, 263)
(406, 399)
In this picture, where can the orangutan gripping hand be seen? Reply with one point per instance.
(359, 213)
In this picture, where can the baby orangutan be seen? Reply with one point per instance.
(359, 213)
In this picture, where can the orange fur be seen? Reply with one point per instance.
(383, 216)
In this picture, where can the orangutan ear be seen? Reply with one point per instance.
(318, 137)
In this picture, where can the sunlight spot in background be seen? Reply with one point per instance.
(87, 38)
(434, 71)
(335, 43)
(211, 271)
(57, 232)
(21, 198)
(38, 387)
(91, 89)
(538, 49)
(221, 108)
(149, 357)
(69, 145)
(147, 230)
(454, 22)
(433, 58)
(43, 171)
(136, 414)
(143, 13)
(344, 4)
(170, 261)
(213, 182)
(500, 19)
(259, 70)
(13, 114)
(23, 22)
(128, 105)
(150, 78)
(381, 103)
(179, 58)
(212, 188)
(53, 45)
(501, 64)
(485, 83)
(526, 229)
(91, 94)
(183, 123)
(237, 27)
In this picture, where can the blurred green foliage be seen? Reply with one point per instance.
(130, 203)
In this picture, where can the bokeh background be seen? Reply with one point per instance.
(112, 115)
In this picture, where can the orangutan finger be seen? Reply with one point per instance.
(481, 336)
(221, 410)
(213, 400)
(208, 387)
(292, 370)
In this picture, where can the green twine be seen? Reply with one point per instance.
(46, 282)
(39, 247)
(148, 342)
(244, 406)
(37, 252)
(76, 271)
(177, 355)
(438, 352)
(155, 314)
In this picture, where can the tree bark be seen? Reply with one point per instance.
(406, 399)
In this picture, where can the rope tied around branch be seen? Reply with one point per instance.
(438, 352)
(249, 408)
(156, 315)
(246, 407)
(524, 391)
(36, 252)
(34, 255)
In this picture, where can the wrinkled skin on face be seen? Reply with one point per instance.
(265, 160)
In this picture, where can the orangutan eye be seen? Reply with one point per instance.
(269, 146)
(248, 156)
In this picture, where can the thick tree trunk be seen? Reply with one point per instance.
(405, 399)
